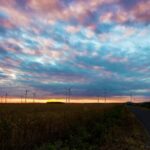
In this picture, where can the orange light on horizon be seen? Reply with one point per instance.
(116, 99)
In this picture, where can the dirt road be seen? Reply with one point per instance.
(143, 115)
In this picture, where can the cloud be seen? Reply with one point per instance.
(88, 45)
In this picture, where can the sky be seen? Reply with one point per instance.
(91, 46)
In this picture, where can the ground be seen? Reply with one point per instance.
(70, 127)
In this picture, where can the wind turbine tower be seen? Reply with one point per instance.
(26, 94)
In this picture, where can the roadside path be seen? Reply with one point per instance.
(143, 115)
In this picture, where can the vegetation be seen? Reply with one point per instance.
(145, 105)
(69, 127)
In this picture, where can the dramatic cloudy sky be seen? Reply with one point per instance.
(88, 45)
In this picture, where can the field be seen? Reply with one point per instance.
(69, 127)
(144, 105)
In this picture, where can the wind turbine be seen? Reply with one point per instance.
(6, 97)
(98, 99)
(1, 99)
(105, 95)
(68, 95)
(131, 97)
(26, 94)
(21, 98)
(34, 96)
(1, 96)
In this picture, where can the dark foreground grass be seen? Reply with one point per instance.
(144, 105)
(69, 127)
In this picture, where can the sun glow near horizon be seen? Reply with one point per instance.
(78, 100)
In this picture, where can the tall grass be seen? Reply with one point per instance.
(65, 127)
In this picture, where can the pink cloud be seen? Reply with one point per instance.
(16, 16)
(142, 11)
(114, 59)
(6, 24)
(53, 9)
(72, 29)
(139, 12)
(44, 5)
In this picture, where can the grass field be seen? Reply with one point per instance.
(144, 105)
(69, 127)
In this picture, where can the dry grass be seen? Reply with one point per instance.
(69, 127)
